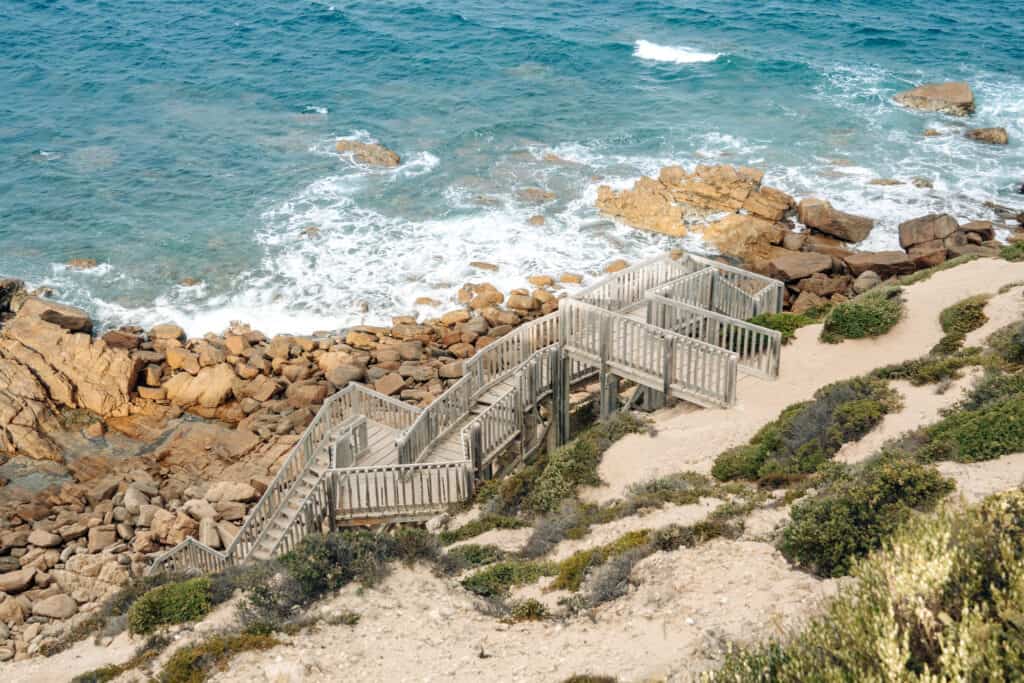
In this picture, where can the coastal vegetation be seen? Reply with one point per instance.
(941, 600)
(868, 315)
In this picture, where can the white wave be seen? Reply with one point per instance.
(313, 109)
(644, 49)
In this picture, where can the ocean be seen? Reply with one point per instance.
(192, 140)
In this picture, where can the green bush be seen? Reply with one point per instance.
(544, 485)
(807, 434)
(959, 319)
(469, 556)
(992, 430)
(1013, 252)
(1008, 343)
(869, 315)
(527, 610)
(932, 368)
(941, 602)
(496, 580)
(572, 570)
(172, 603)
(194, 663)
(856, 510)
(787, 323)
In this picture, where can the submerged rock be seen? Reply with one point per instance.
(369, 153)
(953, 98)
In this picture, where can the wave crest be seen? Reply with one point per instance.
(644, 49)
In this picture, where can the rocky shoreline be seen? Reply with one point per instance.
(116, 446)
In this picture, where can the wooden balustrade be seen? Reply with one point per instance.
(397, 490)
(190, 554)
(649, 355)
(758, 348)
(627, 287)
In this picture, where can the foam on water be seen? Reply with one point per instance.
(645, 49)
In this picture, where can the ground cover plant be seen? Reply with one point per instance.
(870, 314)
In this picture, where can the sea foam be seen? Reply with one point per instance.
(666, 53)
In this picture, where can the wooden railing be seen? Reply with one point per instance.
(190, 554)
(740, 293)
(759, 348)
(336, 411)
(351, 444)
(651, 356)
(396, 490)
(315, 511)
(627, 287)
(492, 363)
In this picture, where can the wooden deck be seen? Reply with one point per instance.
(674, 326)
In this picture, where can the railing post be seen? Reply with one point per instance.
(560, 371)
(476, 447)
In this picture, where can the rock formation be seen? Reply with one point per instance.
(662, 204)
(369, 153)
(953, 98)
(991, 136)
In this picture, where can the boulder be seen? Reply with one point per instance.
(823, 285)
(820, 215)
(231, 491)
(928, 254)
(983, 229)
(884, 263)
(648, 205)
(17, 581)
(796, 265)
(208, 534)
(199, 509)
(743, 236)
(990, 136)
(208, 389)
(389, 384)
(369, 153)
(11, 610)
(58, 606)
(180, 358)
(807, 301)
(936, 226)
(166, 331)
(102, 537)
(953, 98)
(44, 539)
(66, 317)
(343, 374)
(76, 370)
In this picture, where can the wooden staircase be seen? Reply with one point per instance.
(675, 326)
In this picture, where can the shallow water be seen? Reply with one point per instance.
(181, 140)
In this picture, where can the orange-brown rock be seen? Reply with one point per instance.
(368, 153)
(820, 215)
(648, 205)
(743, 236)
(954, 98)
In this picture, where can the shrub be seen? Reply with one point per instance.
(469, 556)
(869, 315)
(496, 580)
(992, 387)
(992, 430)
(172, 603)
(931, 368)
(413, 544)
(805, 435)
(940, 602)
(478, 526)
(959, 319)
(611, 580)
(857, 510)
(527, 610)
(553, 478)
(572, 570)
(192, 663)
(148, 652)
(787, 323)
(680, 488)
(1013, 252)
(1008, 343)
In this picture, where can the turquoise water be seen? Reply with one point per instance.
(178, 139)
